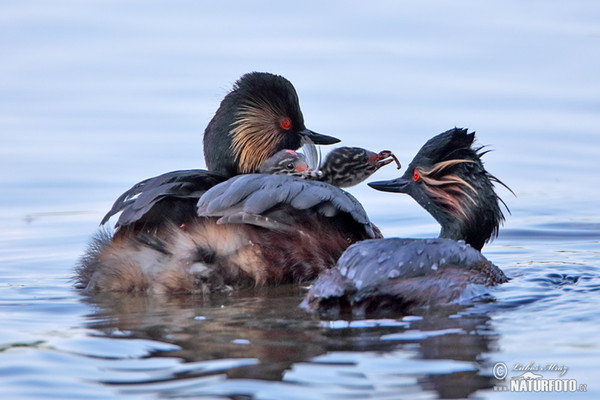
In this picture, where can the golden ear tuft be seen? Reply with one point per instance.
(254, 135)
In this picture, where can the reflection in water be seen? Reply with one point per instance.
(262, 335)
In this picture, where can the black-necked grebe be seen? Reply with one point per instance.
(250, 229)
(448, 179)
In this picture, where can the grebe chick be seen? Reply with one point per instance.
(348, 166)
(343, 166)
(448, 179)
(289, 162)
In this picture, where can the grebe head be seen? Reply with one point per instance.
(448, 179)
(289, 162)
(259, 117)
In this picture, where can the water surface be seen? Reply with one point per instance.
(97, 95)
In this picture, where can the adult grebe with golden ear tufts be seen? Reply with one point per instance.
(448, 179)
(251, 229)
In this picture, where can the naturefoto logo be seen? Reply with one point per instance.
(534, 377)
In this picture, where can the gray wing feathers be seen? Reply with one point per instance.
(141, 197)
(366, 262)
(253, 219)
(246, 198)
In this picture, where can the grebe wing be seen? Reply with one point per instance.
(372, 261)
(136, 202)
(268, 201)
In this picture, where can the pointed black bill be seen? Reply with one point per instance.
(318, 138)
(399, 185)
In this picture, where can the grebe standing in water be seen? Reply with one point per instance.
(448, 179)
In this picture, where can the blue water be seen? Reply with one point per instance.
(97, 95)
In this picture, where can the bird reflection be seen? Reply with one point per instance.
(268, 326)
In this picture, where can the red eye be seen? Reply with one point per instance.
(416, 175)
(286, 123)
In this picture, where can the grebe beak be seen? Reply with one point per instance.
(399, 185)
(384, 158)
(318, 138)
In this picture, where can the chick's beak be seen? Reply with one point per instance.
(384, 157)
(399, 185)
(301, 167)
(318, 138)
